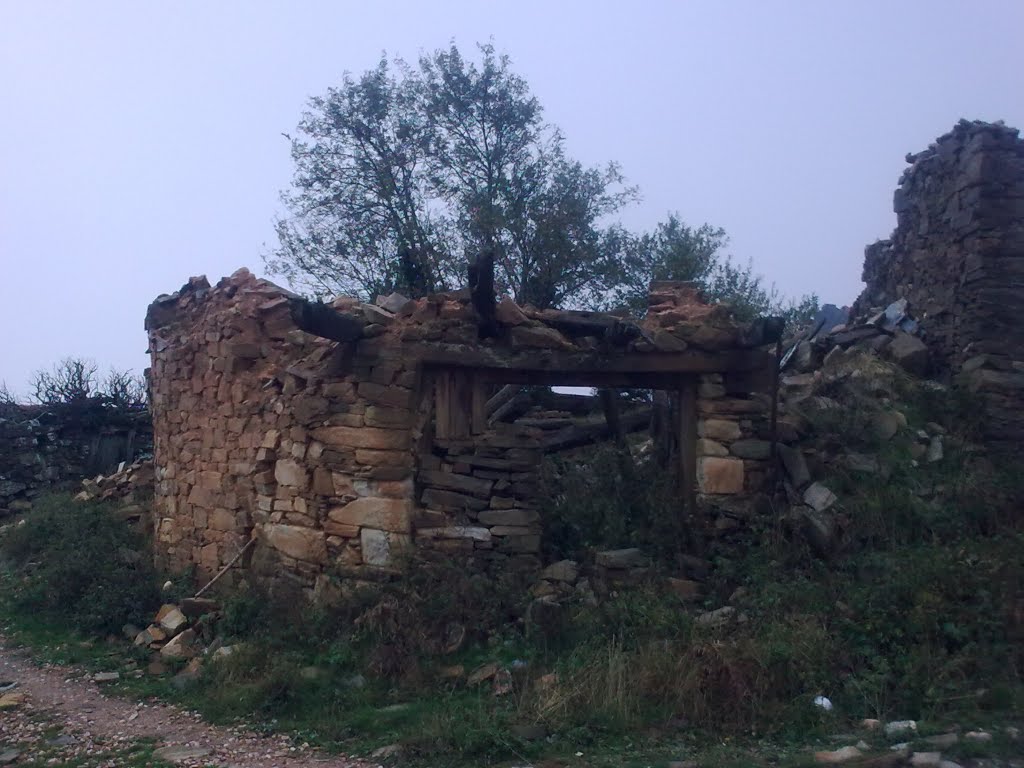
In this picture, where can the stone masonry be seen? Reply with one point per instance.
(46, 447)
(328, 460)
(957, 257)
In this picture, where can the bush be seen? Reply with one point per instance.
(81, 564)
(601, 497)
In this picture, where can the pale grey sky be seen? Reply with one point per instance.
(140, 142)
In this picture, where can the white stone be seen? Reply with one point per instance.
(819, 497)
(900, 726)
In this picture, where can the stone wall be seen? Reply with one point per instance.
(339, 460)
(957, 257)
(56, 446)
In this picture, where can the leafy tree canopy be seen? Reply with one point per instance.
(406, 172)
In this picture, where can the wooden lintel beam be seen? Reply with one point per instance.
(556, 362)
(321, 320)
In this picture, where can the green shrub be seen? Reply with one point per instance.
(601, 497)
(80, 563)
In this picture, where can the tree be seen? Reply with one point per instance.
(125, 388)
(71, 380)
(405, 173)
(7, 398)
(76, 380)
(675, 251)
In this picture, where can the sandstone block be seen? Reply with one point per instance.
(433, 497)
(291, 474)
(392, 396)
(363, 437)
(381, 547)
(719, 429)
(564, 570)
(516, 517)
(509, 313)
(297, 542)
(719, 475)
(389, 459)
(182, 646)
(474, 486)
(707, 447)
(384, 514)
(344, 530)
(388, 418)
(222, 520)
(540, 337)
(323, 483)
(908, 352)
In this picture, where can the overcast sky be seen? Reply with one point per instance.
(140, 142)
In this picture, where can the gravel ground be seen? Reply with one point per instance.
(54, 717)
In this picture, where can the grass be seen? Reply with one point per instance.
(918, 615)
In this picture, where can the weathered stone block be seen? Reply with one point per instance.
(323, 483)
(382, 548)
(291, 474)
(384, 514)
(508, 517)
(474, 486)
(363, 437)
(388, 418)
(222, 520)
(909, 352)
(298, 542)
(707, 447)
(344, 530)
(718, 429)
(372, 458)
(392, 396)
(751, 449)
(719, 475)
(455, 532)
(622, 558)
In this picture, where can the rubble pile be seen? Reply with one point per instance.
(181, 632)
(51, 447)
(131, 483)
(840, 404)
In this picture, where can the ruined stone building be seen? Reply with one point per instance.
(340, 440)
(325, 442)
(957, 257)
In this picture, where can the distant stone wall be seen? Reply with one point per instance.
(56, 446)
(957, 256)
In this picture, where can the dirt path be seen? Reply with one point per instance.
(91, 723)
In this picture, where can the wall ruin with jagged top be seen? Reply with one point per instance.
(957, 257)
(334, 442)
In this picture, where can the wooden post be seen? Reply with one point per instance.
(480, 275)
(442, 405)
(688, 452)
(479, 404)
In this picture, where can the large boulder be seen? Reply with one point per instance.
(908, 352)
